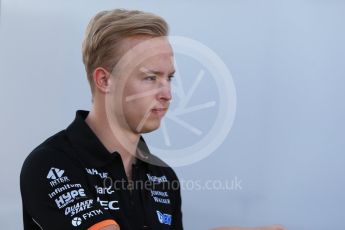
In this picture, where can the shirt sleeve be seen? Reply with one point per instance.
(56, 194)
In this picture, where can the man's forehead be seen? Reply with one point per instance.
(143, 43)
(138, 50)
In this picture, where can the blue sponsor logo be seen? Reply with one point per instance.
(164, 218)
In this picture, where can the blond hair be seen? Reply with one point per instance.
(107, 29)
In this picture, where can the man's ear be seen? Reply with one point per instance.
(101, 79)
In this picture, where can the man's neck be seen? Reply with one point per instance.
(114, 138)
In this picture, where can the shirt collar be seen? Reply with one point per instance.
(91, 150)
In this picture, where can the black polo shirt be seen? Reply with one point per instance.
(71, 181)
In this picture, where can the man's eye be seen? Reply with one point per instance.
(150, 78)
(170, 77)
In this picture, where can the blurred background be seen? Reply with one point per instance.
(282, 160)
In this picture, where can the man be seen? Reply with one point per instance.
(98, 173)
(83, 177)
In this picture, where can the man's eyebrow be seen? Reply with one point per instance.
(155, 72)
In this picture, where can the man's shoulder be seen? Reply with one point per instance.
(58, 141)
(52, 149)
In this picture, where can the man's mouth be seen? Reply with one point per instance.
(159, 111)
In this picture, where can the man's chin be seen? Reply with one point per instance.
(149, 128)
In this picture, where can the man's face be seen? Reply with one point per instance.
(141, 84)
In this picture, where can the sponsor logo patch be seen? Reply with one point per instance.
(69, 197)
(156, 179)
(92, 214)
(106, 204)
(104, 190)
(76, 221)
(78, 207)
(164, 218)
(102, 175)
(63, 188)
(56, 177)
(55, 173)
(160, 197)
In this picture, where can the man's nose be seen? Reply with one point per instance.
(165, 92)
